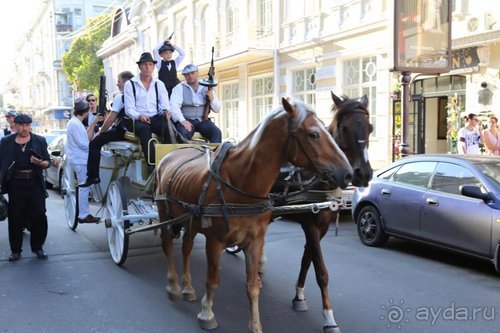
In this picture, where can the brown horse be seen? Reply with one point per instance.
(227, 200)
(350, 128)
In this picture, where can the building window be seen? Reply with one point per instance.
(262, 97)
(231, 23)
(78, 12)
(304, 85)
(360, 78)
(264, 18)
(229, 101)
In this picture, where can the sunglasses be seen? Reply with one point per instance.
(91, 100)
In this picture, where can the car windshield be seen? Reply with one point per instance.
(491, 169)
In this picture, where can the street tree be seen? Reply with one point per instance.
(81, 64)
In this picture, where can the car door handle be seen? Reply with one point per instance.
(385, 192)
(432, 202)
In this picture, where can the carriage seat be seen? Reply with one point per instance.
(130, 136)
(124, 148)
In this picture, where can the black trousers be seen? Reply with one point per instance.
(94, 159)
(26, 209)
(144, 132)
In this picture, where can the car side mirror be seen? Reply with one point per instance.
(56, 153)
(474, 191)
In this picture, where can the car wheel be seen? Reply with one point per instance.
(370, 230)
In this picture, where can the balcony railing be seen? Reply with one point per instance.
(64, 28)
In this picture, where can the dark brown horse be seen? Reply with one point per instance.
(225, 196)
(350, 128)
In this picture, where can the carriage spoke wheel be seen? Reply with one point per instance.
(115, 224)
(69, 190)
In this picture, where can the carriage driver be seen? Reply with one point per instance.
(188, 107)
(146, 102)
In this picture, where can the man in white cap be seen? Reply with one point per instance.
(9, 115)
(189, 102)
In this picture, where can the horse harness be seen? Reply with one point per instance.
(224, 209)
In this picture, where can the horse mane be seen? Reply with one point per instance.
(302, 108)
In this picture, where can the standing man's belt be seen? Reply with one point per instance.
(24, 174)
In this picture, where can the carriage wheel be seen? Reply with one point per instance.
(116, 206)
(69, 190)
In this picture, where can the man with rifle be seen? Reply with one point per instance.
(191, 102)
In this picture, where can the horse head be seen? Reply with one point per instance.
(310, 146)
(351, 129)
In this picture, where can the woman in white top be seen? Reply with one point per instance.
(491, 137)
(77, 150)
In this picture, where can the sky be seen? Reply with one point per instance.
(15, 18)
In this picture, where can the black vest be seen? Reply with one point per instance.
(168, 77)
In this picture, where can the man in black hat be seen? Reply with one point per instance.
(24, 156)
(167, 67)
(147, 103)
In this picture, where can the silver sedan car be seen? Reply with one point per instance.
(451, 201)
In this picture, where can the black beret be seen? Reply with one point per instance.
(22, 119)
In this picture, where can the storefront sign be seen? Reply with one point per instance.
(464, 58)
(422, 36)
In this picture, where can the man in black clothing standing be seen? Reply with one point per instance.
(24, 156)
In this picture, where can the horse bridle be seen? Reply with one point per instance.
(336, 135)
(324, 175)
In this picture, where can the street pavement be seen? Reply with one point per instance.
(402, 287)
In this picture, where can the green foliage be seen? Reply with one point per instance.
(80, 64)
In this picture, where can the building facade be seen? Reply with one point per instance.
(268, 49)
(38, 84)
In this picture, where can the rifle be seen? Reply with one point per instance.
(209, 83)
(101, 109)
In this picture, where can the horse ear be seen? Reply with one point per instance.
(289, 108)
(364, 101)
(285, 103)
(336, 99)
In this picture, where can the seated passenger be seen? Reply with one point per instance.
(189, 107)
(113, 129)
(147, 103)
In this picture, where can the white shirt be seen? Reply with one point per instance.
(77, 142)
(468, 141)
(177, 98)
(145, 100)
(117, 103)
(158, 58)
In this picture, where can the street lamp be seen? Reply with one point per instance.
(422, 44)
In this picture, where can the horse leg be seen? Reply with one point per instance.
(173, 289)
(299, 301)
(321, 227)
(206, 318)
(253, 255)
(188, 292)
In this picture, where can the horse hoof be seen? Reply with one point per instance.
(299, 305)
(331, 329)
(207, 324)
(189, 297)
(173, 296)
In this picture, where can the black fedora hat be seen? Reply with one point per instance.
(146, 57)
(22, 119)
(166, 47)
